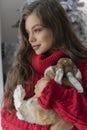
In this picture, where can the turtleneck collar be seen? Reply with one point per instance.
(41, 62)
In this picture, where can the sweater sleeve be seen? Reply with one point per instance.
(68, 103)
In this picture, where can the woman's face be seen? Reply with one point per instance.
(40, 37)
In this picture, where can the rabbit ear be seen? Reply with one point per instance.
(59, 76)
(48, 69)
(76, 84)
(78, 74)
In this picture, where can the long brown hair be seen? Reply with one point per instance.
(54, 17)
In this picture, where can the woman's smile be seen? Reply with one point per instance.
(36, 47)
(40, 37)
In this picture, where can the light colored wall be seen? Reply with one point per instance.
(1, 75)
(9, 35)
(1, 78)
(9, 17)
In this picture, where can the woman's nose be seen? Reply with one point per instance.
(31, 37)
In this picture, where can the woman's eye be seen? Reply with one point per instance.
(37, 30)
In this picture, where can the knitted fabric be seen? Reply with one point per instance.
(69, 104)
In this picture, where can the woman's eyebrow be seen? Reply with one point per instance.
(37, 25)
(34, 27)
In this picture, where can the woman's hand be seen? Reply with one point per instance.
(61, 125)
(41, 84)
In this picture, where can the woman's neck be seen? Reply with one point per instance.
(41, 62)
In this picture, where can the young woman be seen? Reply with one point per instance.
(46, 36)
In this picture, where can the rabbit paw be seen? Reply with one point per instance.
(19, 94)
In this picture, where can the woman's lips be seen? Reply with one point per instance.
(35, 47)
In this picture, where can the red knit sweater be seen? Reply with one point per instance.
(68, 103)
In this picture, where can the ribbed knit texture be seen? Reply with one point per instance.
(41, 62)
(69, 104)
